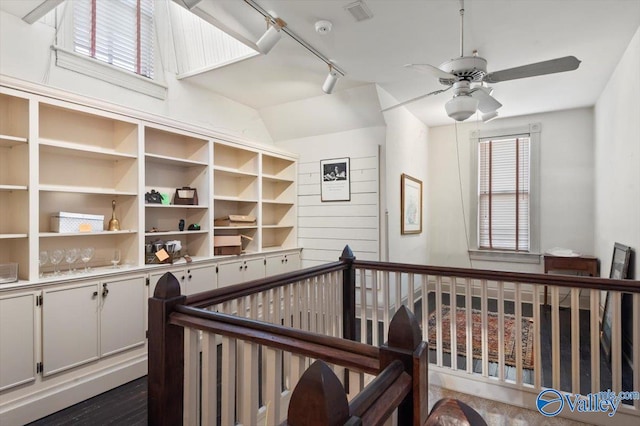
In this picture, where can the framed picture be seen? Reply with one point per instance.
(336, 180)
(619, 271)
(410, 205)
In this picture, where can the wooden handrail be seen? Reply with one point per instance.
(576, 281)
(224, 294)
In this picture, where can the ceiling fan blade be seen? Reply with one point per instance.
(430, 69)
(567, 63)
(417, 98)
(487, 103)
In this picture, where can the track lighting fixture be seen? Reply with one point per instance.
(330, 81)
(272, 35)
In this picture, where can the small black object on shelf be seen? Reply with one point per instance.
(153, 197)
(181, 225)
(186, 196)
(194, 227)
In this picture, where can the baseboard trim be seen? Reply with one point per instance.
(77, 389)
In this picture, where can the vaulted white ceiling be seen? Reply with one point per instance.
(507, 33)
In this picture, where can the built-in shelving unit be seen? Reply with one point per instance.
(14, 182)
(64, 155)
(175, 160)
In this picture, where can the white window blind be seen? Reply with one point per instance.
(504, 193)
(118, 32)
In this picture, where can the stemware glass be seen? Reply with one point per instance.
(86, 255)
(55, 257)
(116, 258)
(70, 256)
(42, 260)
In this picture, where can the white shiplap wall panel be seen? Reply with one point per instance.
(324, 228)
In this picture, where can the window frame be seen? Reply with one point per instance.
(67, 58)
(533, 255)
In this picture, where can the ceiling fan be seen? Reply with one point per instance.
(467, 76)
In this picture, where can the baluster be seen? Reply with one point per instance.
(228, 389)
(363, 306)
(209, 408)
(575, 340)
(424, 297)
(248, 384)
(468, 303)
(439, 336)
(635, 342)
(453, 316)
(555, 338)
(286, 291)
(518, 331)
(410, 293)
(386, 304)
(398, 288)
(374, 307)
(537, 364)
(594, 325)
(272, 395)
(501, 365)
(615, 301)
(191, 376)
(485, 329)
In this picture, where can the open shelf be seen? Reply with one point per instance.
(278, 168)
(10, 188)
(82, 150)
(12, 236)
(85, 190)
(218, 170)
(7, 141)
(86, 234)
(173, 206)
(163, 159)
(165, 233)
(161, 145)
(235, 158)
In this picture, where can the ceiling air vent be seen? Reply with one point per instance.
(359, 11)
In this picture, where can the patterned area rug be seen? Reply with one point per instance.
(510, 338)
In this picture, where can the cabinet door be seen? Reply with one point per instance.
(69, 326)
(230, 273)
(17, 339)
(154, 277)
(200, 278)
(282, 263)
(122, 317)
(253, 269)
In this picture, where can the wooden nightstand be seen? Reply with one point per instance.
(582, 265)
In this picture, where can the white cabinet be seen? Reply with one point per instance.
(122, 314)
(154, 277)
(240, 271)
(200, 278)
(17, 339)
(282, 263)
(69, 326)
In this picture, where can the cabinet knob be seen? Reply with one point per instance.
(95, 293)
(241, 267)
(189, 276)
(105, 290)
(182, 279)
(245, 267)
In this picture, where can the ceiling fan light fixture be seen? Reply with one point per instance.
(461, 107)
(490, 116)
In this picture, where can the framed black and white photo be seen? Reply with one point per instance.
(410, 205)
(336, 180)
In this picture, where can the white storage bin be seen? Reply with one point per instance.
(76, 222)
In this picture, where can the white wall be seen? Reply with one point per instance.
(25, 54)
(617, 164)
(566, 180)
(405, 152)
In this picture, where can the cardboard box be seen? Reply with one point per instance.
(76, 222)
(235, 220)
(228, 244)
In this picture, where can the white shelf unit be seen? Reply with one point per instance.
(278, 202)
(175, 159)
(236, 190)
(87, 159)
(14, 182)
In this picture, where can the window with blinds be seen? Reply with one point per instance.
(504, 193)
(118, 32)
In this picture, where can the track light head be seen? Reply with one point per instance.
(271, 36)
(330, 81)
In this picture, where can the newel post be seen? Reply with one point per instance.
(405, 344)
(318, 399)
(166, 355)
(348, 295)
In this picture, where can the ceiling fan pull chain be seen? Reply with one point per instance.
(461, 28)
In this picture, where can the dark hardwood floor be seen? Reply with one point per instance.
(125, 405)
